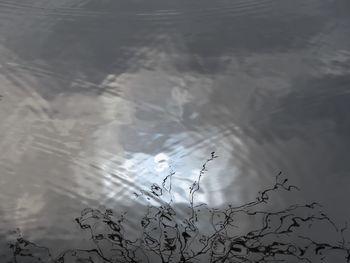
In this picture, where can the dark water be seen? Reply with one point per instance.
(102, 99)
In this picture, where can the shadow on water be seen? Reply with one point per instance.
(201, 233)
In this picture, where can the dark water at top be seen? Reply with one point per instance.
(100, 98)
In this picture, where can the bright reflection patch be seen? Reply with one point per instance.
(161, 162)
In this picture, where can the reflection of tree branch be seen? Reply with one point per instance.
(278, 236)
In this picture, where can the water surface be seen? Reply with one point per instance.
(100, 98)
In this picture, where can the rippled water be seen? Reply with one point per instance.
(101, 99)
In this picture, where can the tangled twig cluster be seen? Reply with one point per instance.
(277, 236)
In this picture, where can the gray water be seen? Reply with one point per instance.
(100, 99)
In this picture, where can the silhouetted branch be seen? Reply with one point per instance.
(277, 236)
